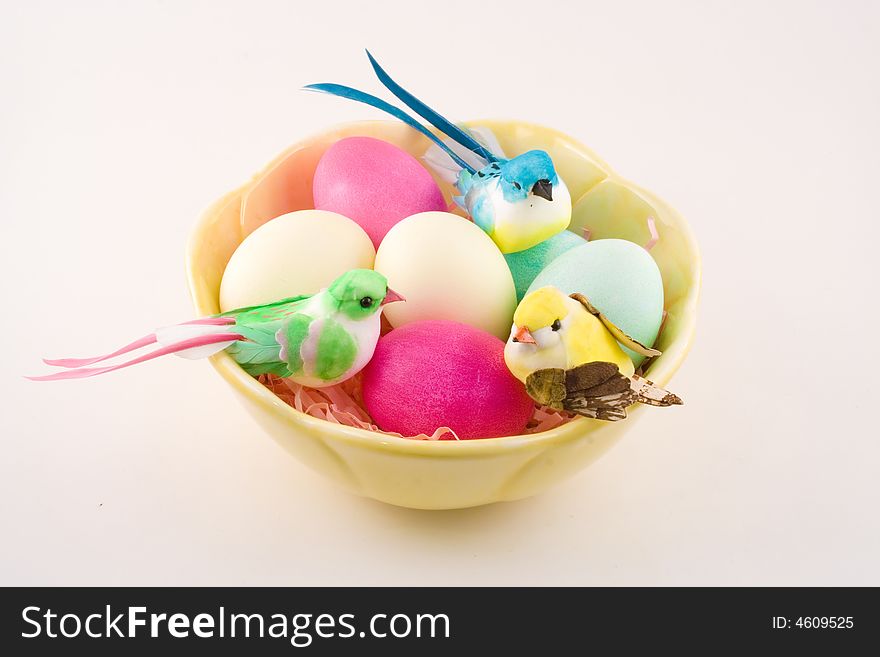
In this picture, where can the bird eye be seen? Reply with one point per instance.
(366, 302)
(556, 325)
(516, 185)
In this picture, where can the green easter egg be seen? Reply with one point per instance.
(620, 278)
(526, 265)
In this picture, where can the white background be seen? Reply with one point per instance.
(120, 121)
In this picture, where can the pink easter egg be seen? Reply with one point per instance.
(437, 373)
(374, 183)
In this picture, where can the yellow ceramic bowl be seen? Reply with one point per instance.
(448, 475)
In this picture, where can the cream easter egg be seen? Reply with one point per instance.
(447, 268)
(296, 253)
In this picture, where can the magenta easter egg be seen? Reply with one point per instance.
(374, 183)
(437, 373)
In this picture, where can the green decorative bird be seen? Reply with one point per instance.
(315, 340)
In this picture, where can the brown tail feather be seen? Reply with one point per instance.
(648, 393)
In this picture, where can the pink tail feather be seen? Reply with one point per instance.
(183, 345)
(137, 344)
(82, 362)
(212, 321)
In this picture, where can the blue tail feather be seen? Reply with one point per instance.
(368, 99)
(431, 116)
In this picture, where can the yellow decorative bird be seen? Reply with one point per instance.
(568, 354)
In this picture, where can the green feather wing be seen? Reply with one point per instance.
(268, 311)
(258, 359)
(260, 352)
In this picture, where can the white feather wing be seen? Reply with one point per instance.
(445, 167)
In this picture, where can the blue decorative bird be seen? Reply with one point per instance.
(519, 202)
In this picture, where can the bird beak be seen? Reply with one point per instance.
(544, 189)
(522, 335)
(391, 296)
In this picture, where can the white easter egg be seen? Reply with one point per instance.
(296, 253)
(447, 268)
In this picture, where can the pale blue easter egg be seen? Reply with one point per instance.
(619, 278)
(526, 265)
